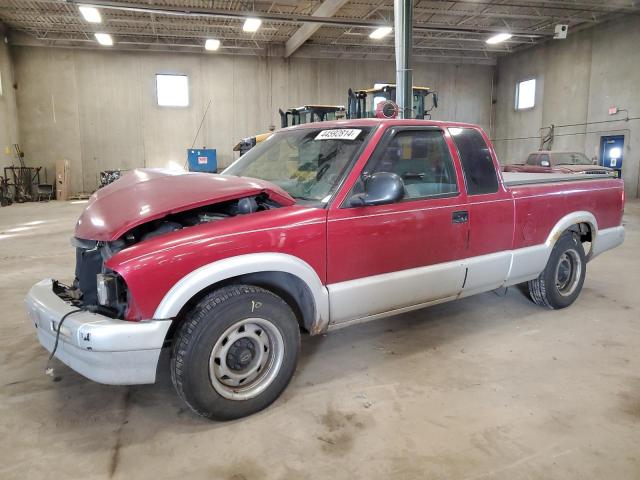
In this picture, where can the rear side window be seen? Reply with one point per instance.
(477, 164)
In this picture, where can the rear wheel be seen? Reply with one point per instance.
(235, 352)
(561, 281)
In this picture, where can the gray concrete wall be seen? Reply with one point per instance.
(8, 114)
(98, 108)
(578, 79)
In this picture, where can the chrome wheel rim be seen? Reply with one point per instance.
(246, 359)
(568, 272)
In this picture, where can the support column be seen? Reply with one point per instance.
(403, 20)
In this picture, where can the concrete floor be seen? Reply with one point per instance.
(487, 387)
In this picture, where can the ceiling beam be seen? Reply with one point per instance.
(328, 8)
(292, 18)
(485, 14)
(372, 53)
(605, 7)
(418, 47)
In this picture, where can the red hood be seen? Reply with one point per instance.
(147, 194)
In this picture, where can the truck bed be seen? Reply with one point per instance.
(521, 178)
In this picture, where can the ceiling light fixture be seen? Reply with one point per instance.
(498, 38)
(212, 44)
(251, 24)
(380, 32)
(90, 14)
(104, 39)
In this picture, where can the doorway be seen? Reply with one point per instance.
(612, 152)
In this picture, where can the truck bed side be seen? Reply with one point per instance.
(540, 207)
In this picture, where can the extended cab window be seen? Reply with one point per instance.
(421, 158)
(477, 163)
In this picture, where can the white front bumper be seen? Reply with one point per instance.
(103, 349)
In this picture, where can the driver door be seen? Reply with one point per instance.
(391, 257)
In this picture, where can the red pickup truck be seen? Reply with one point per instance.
(558, 162)
(319, 226)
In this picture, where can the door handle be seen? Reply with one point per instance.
(461, 216)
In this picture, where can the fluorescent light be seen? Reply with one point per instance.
(90, 14)
(251, 24)
(498, 38)
(381, 32)
(104, 39)
(212, 44)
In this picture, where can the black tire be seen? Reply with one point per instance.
(212, 327)
(561, 281)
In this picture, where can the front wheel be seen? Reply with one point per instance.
(235, 352)
(561, 281)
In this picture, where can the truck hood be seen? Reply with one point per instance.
(143, 195)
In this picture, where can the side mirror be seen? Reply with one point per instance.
(545, 163)
(435, 99)
(379, 189)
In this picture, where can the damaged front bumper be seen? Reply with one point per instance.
(103, 349)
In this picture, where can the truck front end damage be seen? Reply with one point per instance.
(85, 324)
(104, 349)
(94, 284)
(94, 321)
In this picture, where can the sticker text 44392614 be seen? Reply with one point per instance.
(339, 134)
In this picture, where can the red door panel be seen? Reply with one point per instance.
(366, 241)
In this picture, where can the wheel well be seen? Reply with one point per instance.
(287, 286)
(583, 230)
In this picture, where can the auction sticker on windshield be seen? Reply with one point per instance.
(338, 134)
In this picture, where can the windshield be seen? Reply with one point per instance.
(308, 163)
(571, 158)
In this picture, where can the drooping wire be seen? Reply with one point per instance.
(48, 369)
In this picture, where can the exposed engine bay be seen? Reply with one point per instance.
(94, 284)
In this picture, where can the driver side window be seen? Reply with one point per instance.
(422, 159)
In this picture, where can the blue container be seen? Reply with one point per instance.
(203, 160)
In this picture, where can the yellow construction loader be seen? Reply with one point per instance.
(295, 116)
(364, 103)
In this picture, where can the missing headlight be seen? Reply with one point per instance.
(110, 290)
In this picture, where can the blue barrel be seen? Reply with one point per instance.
(203, 160)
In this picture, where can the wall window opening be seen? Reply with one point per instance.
(172, 90)
(526, 94)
